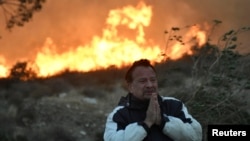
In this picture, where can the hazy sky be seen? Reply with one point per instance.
(75, 22)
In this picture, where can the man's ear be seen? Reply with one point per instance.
(130, 87)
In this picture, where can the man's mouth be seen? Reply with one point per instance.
(149, 92)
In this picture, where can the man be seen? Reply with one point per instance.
(144, 115)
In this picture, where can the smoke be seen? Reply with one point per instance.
(73, 23)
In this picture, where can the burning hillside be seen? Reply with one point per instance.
(122, 41)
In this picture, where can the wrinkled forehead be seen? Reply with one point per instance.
(143, 72)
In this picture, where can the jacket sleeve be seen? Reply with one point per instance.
(178, 130)
(132, 132)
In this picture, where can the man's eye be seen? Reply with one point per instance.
(153, 79)
(142, 81)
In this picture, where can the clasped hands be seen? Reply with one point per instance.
(153, 115)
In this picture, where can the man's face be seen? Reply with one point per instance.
(144, 83)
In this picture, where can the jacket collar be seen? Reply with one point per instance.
(132, 102)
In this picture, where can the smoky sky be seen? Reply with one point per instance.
(71, 23)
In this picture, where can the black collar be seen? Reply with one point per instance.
(132, 102)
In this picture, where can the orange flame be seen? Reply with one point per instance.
(112, 48)
(177, 50)
(3, 69)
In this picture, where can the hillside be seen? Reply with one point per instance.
(73, 106)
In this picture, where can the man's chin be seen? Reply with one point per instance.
(147, 95)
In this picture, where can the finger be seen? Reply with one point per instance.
(151, 113)
(154, 96)
(158, 114)
(151, 106)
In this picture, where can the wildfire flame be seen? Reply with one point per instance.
(177, 50)
(3, 69)
(111, 48)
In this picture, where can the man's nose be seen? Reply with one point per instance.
(149, 83)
